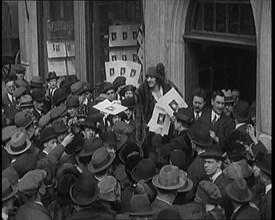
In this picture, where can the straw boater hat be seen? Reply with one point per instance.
(19, 142)
(228, 96)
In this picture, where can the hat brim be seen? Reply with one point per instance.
(187, 186)
(262, 167)
(203, 144)
(48, 79)
(48, 138)
(122, 149)
(156, 183)
(8, 148)
(81, 201)
(233, 197)
(14, 191)
(206, 155)
(109, 88)
(94, 170)
(82, 89)
(137, 178)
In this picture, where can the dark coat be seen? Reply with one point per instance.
(265, 205)
(9, 107)
(222, 128)
(242, 129)
(205, 111)
(37, 115)
(246, 211)
(32, 211)
(86, 213)
(159, 205)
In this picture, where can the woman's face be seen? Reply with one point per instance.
(152, 81)
(129, 94)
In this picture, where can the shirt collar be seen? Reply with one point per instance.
(45, 152)
(267, 188)
(195, 113)
(216, 175)
(213, 115)
(10, 97)
(164, 201)
(155, 95)
(239, 125)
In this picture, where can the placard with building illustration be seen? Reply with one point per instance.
(123, 35)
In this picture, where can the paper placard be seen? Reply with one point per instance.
(70, 48)
(130, 70)
(160, 121)
(171, 101)
(71, 66)
(56, 49)
(108, 107)
(125, 54)
(123, 35)
(59, 66)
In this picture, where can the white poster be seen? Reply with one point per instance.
(111, 70)
(160, 121)
(123, 35)
(59, 66)
(108, 107)
(56, 49)
(70, 48)
(125, 54)
(171, 102)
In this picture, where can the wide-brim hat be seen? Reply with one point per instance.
(228, 96)
(145, 169)
(91, 122)
(213, 152)
(59, 96)
(38, 95)
(239, 191)
(241, 111)
(101, 160)
(76, 145)
(59, 126)
(140, 205)
(52, 75)
(110, 138)
(8, 190)
(82, 193)
(128, 149)
(199, 134)
(47, 133)
(19, 150)
(168, 178)
(185, 115)
(188, 183)
(77, 88)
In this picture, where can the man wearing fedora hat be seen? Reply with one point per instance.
(89, 127)
(228, 103)
(110, 90)
(51, 86)
(241, 196)
(8, 195)
(39, 109)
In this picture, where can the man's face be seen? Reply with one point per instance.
(218, 104)
(228, 108)
(152, 81)
(129, 94)
(198, 104)
(38, 105)
(111, 95)
(10, 87)
(211, 166)
(51, 144)
(53, 83)
(20, 76)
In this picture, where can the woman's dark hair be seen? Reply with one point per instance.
(160, 69)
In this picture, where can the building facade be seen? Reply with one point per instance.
(214, 44)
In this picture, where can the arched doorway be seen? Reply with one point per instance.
(221, 47)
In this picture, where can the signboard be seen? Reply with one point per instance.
(60, 29)
(56, 49)
(126, 54)
(70, 48)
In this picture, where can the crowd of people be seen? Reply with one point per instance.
(64, 159)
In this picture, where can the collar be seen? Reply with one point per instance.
(164, 201)
(239, 125)
(216, 175)
(45, 152)
(38, 202)
(10, 96)
(213, 115)
(267, 188)
(39, 111)
(237, 208)
(161, 93)
(195, 113)
(85, 102)
(201, 152)
(5, 216)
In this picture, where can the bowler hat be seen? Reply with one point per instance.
(19, 142)
(36, 82)
(59, 126)
(24, 164)
(109, 189)
(91, 122)
(264, 162)
(66, 85)
(128, 102)
(52, 75)
(129, 148)
(152, 71)
(57, 112)
(228, 96)
(18, 92)
(31, 181)
(110, 138)
(77, 88)
(72, 78)
(108, 87)
(145, 169)
(38, 95)
(131, 162)
(26, 101)
(119, 81)
(101, 160)
(59, 96)
(8, 190)
(241, 111)
(76, 145)
(168, 178)
(239, 191)
(44, 120)
(236, 151)
(47, 134)
(168, 213)
(90, 146)
(84, 191)
(140, 205)
(185, 115)
(213, 152)
(127, 88)
(188, 183)
(208, 193)
(178, 158)
(199, 134)
(7, 132)
(18, 68)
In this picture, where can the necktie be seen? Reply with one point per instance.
(214, 119)
(197, 116)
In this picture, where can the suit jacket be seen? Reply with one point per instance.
(222, 128)
(265, 205)
(32, 211)
(37, 114)
(205, 111)
(246, 211)
(9, 107)
(159, 205)
(86, 213)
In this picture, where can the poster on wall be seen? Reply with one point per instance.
(123, 35)
(126, 54)
(70, 48)
(56, 49)
(57, 65)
